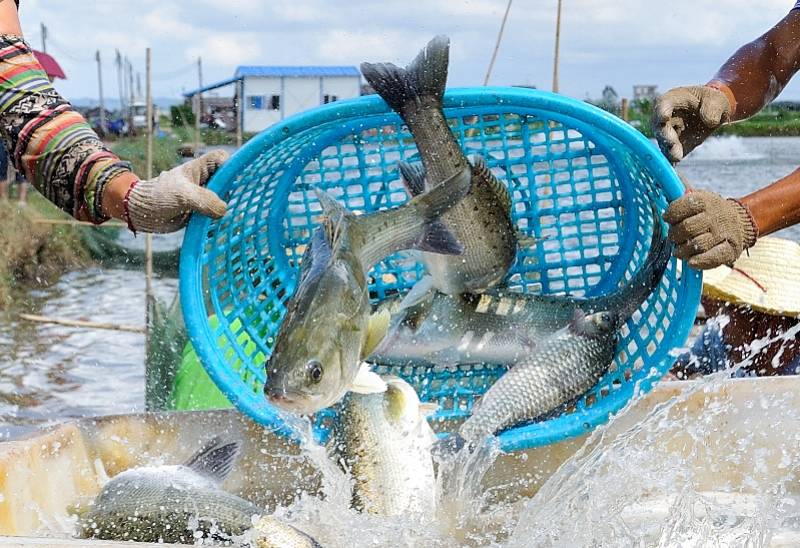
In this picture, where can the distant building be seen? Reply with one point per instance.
(272, 93)
(646, 91)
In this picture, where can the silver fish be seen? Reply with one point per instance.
(325, 334)
(500, 327)
(385, 441)
(171, 503)
(563, 367)
(482, 220)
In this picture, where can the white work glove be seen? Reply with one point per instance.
(684, 117)
(165, 203)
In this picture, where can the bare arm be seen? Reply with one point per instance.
(759, 70)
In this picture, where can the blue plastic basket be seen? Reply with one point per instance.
(579, 176)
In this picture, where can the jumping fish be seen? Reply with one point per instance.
(482, 220)
(325, 335)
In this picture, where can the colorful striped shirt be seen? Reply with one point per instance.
(47, 140)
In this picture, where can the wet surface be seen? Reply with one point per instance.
(50, 372)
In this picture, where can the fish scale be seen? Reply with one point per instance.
(565, 366)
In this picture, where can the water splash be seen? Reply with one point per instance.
(724, 149)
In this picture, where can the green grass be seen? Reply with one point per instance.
(32, 253)
(134, 150)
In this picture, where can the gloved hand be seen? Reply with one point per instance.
(684, 117)
(165, 203)
(709, 230)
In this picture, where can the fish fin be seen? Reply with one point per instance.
(482, 173)
(426, 76)
(215, 459)
(422, 291)
(437, 238)
(335, 215)
(413, 178)
(377, 329)
(78, 509)
(368, 382)
(428, 408)
(413, 225)
(578, 320)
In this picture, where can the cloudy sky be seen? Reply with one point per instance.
(616, 42)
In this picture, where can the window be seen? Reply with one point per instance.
(329, 98)
(275, 102)
(255, 102)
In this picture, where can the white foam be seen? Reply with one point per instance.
(728, 149)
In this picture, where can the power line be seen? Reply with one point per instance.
(497, 44)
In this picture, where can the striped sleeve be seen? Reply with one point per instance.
(47, 140)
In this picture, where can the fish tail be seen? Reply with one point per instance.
(628, 300)
(425, 77)
(415, 225)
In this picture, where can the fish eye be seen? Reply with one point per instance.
(314, 368)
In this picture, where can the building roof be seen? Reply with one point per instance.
(50, 65)
(277, 72)
(249, 70)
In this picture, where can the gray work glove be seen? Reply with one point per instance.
(684, 117)
(709, 230)
(165, 203)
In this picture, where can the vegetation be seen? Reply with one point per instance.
(134, 150)
(34, 254)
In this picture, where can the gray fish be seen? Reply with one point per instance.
(482, 220)
(171, 503)
(384, 441)
(500, 327)
(325, 334)
(563, 367)
(569, 362)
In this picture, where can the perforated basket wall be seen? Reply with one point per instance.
(577, 175)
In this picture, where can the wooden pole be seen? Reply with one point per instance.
(148, 239)
(83, 323)
(239, 111)
(497, 44)
(120, 84)
(44, 37)
(556, 54)
(100, 87)
(199, 106)
(624, 109)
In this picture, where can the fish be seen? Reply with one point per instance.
(174, 503)
(482, 220)
(384, 441)
(566, 364)
(319, 348)
(499, 327)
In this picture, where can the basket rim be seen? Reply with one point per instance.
(190, 274)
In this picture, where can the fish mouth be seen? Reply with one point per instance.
(295, 402)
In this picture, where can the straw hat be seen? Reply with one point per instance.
(767, 279)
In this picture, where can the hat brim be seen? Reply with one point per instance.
(766, 278)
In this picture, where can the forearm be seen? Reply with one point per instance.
(776, 206)
(48, 141)
(759, 71)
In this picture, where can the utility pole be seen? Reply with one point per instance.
(138, 84)
(129, 67)
(199, 108)
(120, 84)
(497, 45)
(239, 117)
(100, 88)
(44, 37)
(148, 240)
(555, 56)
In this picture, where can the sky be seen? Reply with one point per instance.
(603, 42)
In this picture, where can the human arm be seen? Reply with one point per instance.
(749, 80)
(64, 159)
